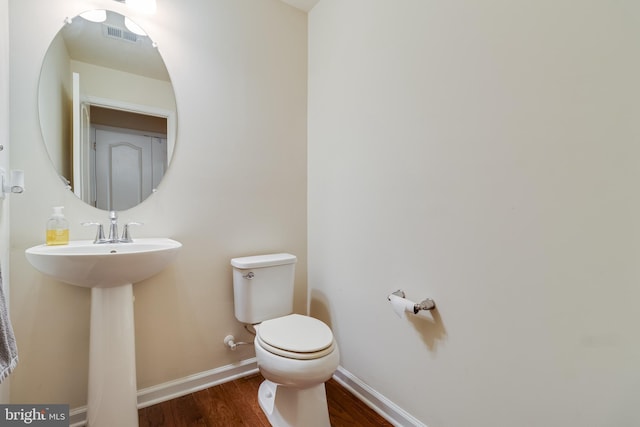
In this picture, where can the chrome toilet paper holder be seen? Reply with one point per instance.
(427, 304)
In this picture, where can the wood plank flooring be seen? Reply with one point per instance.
(235, 404)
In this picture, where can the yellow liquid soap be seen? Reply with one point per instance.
(58, 237)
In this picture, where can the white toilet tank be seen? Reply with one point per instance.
(263, 286)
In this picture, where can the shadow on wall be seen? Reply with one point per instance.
(319, 307)
(431, 330)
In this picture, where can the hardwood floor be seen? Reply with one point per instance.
(235, 404)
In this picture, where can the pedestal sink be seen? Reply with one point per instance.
(110, 270)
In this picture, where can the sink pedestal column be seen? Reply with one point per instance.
(112, 399)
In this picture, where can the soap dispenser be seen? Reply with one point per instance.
(57, 228)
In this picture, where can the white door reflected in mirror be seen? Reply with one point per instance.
(126, 164)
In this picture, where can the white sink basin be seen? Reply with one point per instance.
(105, 265)
(110, 270)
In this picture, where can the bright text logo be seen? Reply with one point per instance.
(34, 415)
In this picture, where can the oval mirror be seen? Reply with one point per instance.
(107, 110)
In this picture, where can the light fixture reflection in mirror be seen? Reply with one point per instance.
(107, 110)
(99, 15)
(144, 6)
(133, 27)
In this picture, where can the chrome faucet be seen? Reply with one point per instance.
(113, 230)
(99, 234)
(113, 227)
(126, 236)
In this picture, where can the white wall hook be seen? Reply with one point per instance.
(13, 184)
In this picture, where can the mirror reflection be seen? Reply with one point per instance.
(107, 110)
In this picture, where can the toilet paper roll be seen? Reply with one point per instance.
(400, 306)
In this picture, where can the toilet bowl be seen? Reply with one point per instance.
(296, 354)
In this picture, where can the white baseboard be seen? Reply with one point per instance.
(180, 387)
(200, 381)
(196, 382)
(376, 401)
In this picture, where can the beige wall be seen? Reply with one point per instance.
(101, 82)
(236, 186)
(485, 154)
(4, 162)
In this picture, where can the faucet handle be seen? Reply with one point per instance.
(99, 233)
(126, 236)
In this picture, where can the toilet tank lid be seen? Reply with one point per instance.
(258, 261)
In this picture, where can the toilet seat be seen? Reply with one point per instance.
(295, 337)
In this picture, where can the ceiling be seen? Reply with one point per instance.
(305, 5)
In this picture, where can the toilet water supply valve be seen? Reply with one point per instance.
(230, 342)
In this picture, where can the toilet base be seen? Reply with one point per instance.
(294, 407)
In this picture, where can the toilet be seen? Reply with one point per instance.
(296, 354)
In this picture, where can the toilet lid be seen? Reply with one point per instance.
(302, 335)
